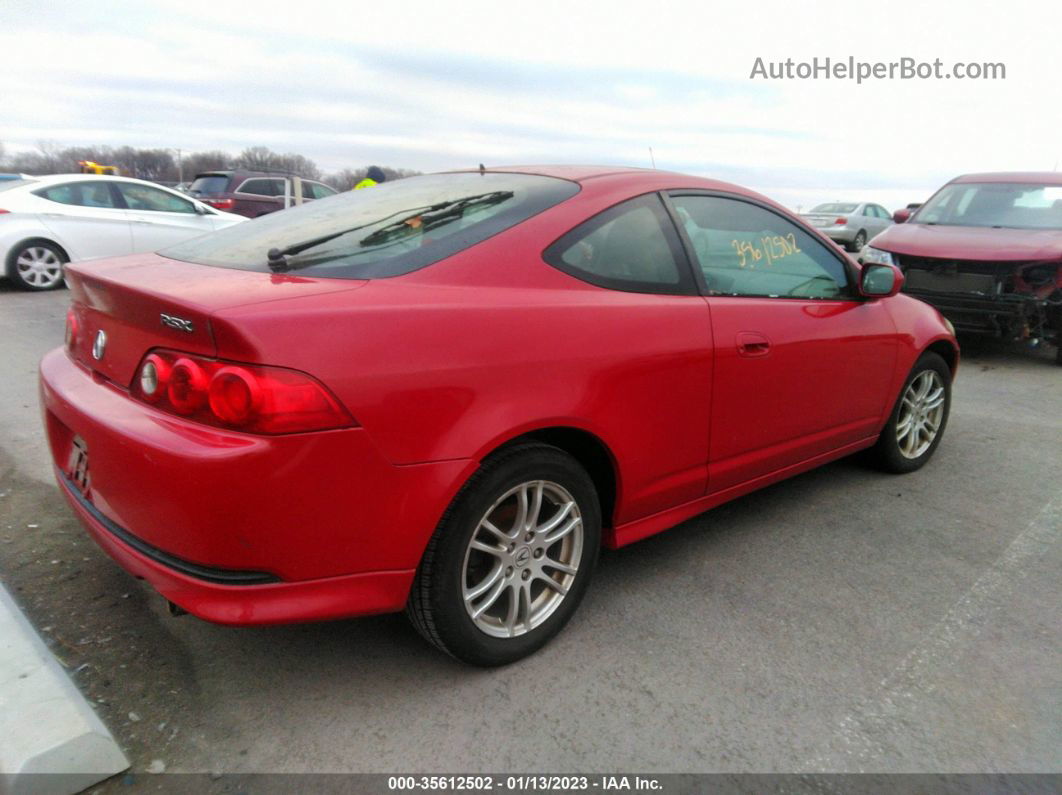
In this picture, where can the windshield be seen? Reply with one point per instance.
(208, 185)
(386, 230)
(995, 204)
(836, 209)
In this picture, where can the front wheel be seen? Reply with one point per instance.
(511, 558)
(918, 419)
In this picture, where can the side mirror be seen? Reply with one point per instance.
(200, 209)
(880, 281)
(901, 215)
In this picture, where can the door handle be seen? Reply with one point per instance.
(752, 344)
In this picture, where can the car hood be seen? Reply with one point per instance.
(971, 242)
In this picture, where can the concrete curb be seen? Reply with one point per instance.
(46, 726)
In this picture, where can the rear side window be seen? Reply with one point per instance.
(395, 228)
(262, 187)
(144, 197)
(209, 185)
(81, 194)
(631, 247)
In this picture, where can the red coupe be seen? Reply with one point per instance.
(444, 394)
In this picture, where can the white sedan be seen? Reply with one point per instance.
(47, 221)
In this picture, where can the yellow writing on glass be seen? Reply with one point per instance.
(768, 249)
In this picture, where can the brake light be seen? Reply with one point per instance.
(187, 390)
(245, 397)
(221, 204)
(70, 337)
(840, 222)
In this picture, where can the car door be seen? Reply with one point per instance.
(884, 219)
(160, 217)
(87, 218)
(802, 364)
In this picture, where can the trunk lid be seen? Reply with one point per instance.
(823, 220)
(145, 301)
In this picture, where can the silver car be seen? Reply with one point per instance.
(850, 223)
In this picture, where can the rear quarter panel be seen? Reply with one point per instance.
(436, 372)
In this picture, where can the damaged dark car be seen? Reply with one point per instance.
(986, 250)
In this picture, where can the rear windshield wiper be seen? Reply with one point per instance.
(435, 216)
(277, 256)
(431, 214)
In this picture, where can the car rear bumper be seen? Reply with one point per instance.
(237, 528)
(841, 234)
(253, 604)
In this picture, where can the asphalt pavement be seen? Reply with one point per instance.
(844, 620)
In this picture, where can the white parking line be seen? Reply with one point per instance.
(857, 744)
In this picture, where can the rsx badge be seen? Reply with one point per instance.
(178, 323)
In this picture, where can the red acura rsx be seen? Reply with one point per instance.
(445, 393)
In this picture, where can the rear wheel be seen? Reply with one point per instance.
(859, 241)
(37, 265)
(511, 558)
(918, 419)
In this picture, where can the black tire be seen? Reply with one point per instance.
(436, 603)
(859, 241)
(26, 277)
(887, 453)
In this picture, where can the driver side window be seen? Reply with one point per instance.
(745, 250)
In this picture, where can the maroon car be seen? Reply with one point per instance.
(986, 250)
(253, 193)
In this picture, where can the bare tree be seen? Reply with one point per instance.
(159, 164)
(198, 162)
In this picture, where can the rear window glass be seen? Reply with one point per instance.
(395, 228)
(208, 185)
(836, 209)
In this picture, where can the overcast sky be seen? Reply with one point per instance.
(434, 85)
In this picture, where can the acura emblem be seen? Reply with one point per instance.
(100, 345)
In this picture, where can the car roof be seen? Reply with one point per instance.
(49, 179)
(1030, 177)
(648, 179)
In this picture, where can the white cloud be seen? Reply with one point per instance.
(431, 85)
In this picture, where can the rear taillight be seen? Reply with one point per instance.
(70, 338)
(4, 211)
(221, 204)
(840, 222)
(246, 397)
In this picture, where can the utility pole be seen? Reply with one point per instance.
(651, 158)
(180, 167)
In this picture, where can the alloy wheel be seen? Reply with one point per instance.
(522, 559)
(921, 414)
